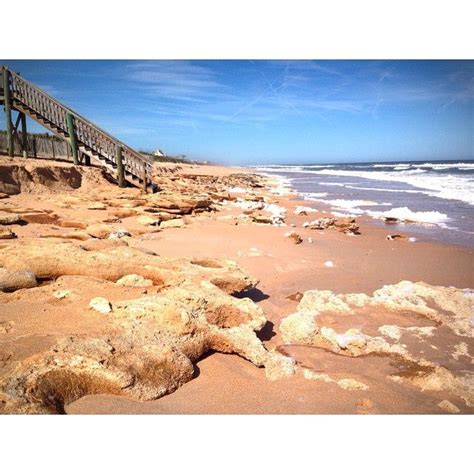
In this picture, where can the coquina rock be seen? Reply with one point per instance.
(16, 280)
(150, 343)
(446, 307)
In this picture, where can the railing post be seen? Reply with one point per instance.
(24, 136)
(8, 110)
(34, 146)
(144, 177)
(72, 137)
(120, 173)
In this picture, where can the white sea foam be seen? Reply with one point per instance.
(445, 187)
(406, 214)
(237, 189)
(346, 208)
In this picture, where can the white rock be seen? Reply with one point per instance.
(329, 264)
(119, 233)
(100, 304)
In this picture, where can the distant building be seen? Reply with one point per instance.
(158, 152)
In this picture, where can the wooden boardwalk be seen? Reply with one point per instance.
(86, 140)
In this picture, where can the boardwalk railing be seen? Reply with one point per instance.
(84, 137)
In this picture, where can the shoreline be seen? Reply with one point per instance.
(407, 220)
(227, 383)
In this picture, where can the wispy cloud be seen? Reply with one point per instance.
(194, 94)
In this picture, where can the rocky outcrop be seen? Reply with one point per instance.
(152, 341)
(49, 260)
(447, 307)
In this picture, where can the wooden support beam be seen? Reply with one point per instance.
(8, 110)
(120, 173)
(24, 136)
(144, 178)
(15, 127)
(72, 137)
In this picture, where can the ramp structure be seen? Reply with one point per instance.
(87, 141)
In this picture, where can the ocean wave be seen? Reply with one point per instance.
(344, 204)
(445, 166)
(403, 214)
(406, 214)
(390, 165)
(409, 191)
(433, 166)
(453, 187)
(314, 195)
(284, 169)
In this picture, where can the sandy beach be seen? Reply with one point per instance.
(395, 357)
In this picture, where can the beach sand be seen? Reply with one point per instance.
(227, 383)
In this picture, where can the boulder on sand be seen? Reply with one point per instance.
(7, 218)
(12, 281)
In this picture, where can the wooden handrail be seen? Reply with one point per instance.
(88, 134)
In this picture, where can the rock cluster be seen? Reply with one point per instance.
(346, 225)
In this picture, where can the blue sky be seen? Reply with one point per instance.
(252, 112)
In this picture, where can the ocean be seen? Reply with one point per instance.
(436, 197)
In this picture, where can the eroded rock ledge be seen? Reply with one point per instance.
(349, 325)
(151, 342)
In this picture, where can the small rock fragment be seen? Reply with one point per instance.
(172, 223)
(147, 220)
(295, 296)
(134, 280)
(119, 234)
(7, 234)
(329, 264)
(100, 304)
(61, 294)
(446, 405)
(395, 236)
(99, 231)
(296, 237)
